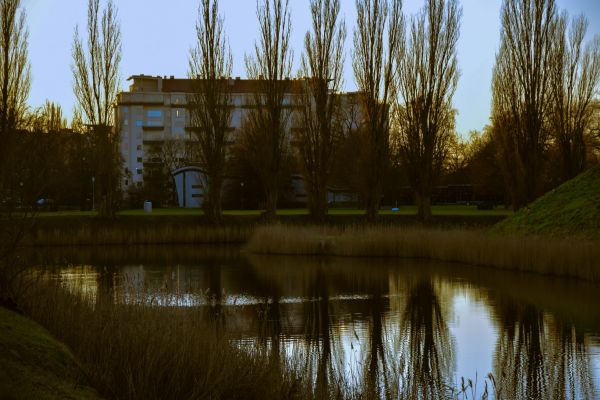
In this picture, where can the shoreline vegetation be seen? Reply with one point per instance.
(195, 356)
(456, 234)
(170, 226)
(566, 257)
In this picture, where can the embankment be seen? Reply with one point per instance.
(33, 365)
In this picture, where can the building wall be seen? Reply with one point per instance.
(154, 110)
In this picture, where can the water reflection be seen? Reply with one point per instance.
(385, 329)
(426, 342)
(539, 357)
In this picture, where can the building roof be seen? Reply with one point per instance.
(185, 85)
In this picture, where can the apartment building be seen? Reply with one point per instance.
(153, 111)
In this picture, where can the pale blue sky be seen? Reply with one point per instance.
(157, 36)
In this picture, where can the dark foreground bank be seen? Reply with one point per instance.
(33, 365)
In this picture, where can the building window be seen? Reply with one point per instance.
(139, 147)
(138, 171)
(139, 122)
(126, 122)
(196, 186)
(125, 109)
(154, 114)
(154, 123)
(126, 182)
(179, 113)
(139, 159)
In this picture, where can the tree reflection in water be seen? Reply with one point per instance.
(367, 329)
(317, 331)
(426, 344)
(539, 358)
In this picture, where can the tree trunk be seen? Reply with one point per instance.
(213, 200)
(270, 213)
(423, 201)
(317, 201)
(372, 207)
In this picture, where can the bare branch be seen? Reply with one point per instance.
(210, 104)
(265, 138)
(427, 78)
(378, 37)
(320, 103)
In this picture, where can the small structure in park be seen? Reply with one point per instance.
(190, 191)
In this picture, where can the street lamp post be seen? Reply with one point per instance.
(93, 193)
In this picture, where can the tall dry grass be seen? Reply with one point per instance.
(559, 257)
(122, 234)
(149, 352)
(144, 351)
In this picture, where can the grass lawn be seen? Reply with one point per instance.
(446, 210)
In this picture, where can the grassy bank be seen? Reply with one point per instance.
(572, 209)
(564, 257)
(33, 365)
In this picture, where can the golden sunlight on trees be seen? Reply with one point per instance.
(95, 68)
(265, 140)
(15, 76)
(427, 78)
(210, 103)
(15, 70)
(320, 102)
(521, 91)
(378, 37)
(575, 76)
(48, 118)
(15, 81)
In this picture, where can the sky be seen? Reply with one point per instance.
(158, 34)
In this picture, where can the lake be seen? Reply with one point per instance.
(417, 325)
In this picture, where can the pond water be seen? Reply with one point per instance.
(371, 322)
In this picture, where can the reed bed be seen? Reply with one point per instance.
(144, 351)
(551, 256)
(122, 234)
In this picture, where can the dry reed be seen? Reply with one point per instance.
(139, 235)
(566, 257)
(149, 352)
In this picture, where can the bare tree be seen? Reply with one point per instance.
(15, 70)
(210, 103)
(320, 113)
(378, 37)
(174, 153)
(48, 118)
(95, 84)
(15, 80)
(521, 90)
(267, 124)
(427, 78)
(15, 75)
(575, 78)
(96, 69)
(594, 128)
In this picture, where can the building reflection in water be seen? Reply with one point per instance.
(354, 325)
